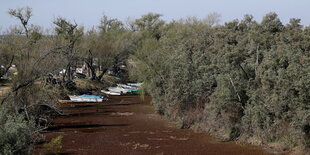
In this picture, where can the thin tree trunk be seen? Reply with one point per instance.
(232, 83)
(102, 73)
(92, 71)
(245, 73)
(26, 112)
(90, 65)
(9, 66)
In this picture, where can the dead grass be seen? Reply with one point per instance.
(109, 79)
(300, 151)
(85, 84)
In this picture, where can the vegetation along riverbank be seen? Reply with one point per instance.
(243, 80)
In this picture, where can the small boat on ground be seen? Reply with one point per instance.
(86, 98)
(128, 88)
(111, 92)
(137, 85)
(122, 89)
(115, 91)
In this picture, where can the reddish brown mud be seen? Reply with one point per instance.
(128, 125)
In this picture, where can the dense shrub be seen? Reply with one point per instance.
(251, 79)
(15, 133)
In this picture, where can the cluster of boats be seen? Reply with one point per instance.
(120, 89)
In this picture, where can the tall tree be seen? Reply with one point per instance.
(70, 34)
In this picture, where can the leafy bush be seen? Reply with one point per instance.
(15, 134)
(54, 146)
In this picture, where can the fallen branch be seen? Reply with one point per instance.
(232, 83)
(53, 109)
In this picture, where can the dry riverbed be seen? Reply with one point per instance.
(128, 125)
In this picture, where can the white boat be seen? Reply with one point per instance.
(86, 98)
(115, 91)
(122, 89)
(118, 89)
(110, 92)
(137, 85)
(131, 88)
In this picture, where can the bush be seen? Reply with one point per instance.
(15, 134)
(54, 146)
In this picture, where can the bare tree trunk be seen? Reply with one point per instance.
(88, 70)
(90, 65)
(26, 112)
(232, 83)
(102, 73)
(92, 71)
(245, 73)
(9, 66)
(68, 72)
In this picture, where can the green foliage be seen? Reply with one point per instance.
(272, 23)
(279, 102)
(15, 133)
(251, 79)
(239, 79)
(54, 146)
(32, 56)
(150, 25)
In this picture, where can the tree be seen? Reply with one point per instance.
(271, 23)
(107, 25)
(69, 35)
(23, 14)
(150, 24)
(35, 56)
(7, 54)
(295, 22)
(212, 19)
(247, 22)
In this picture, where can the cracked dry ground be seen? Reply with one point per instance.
(128, 125)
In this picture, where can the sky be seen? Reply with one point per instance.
(89, 12)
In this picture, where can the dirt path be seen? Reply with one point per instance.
(127, 125)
